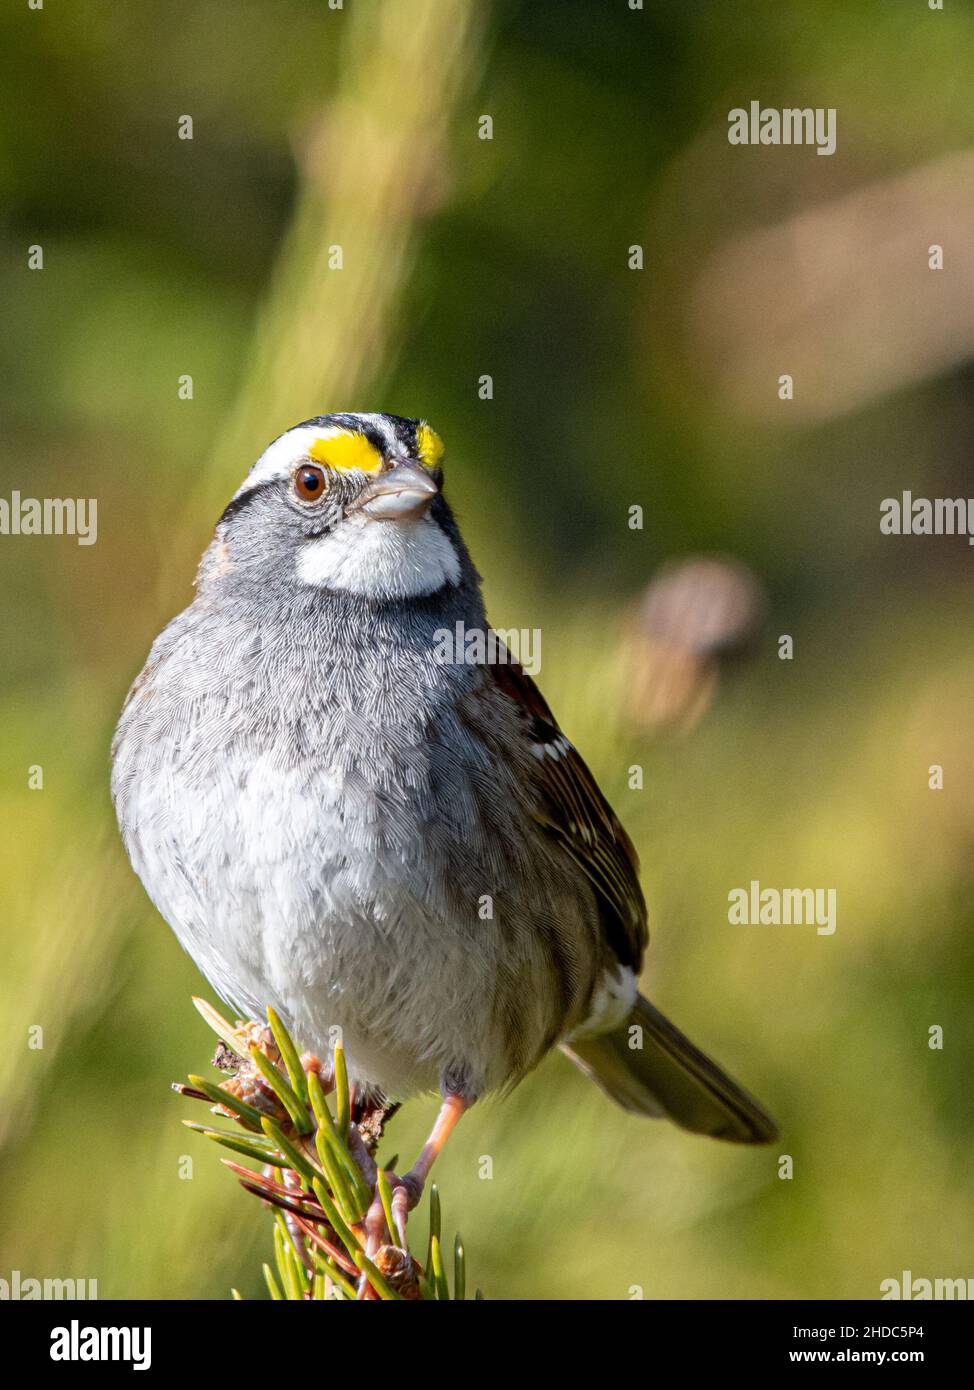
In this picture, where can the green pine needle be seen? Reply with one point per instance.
(220, 1026)
(289, 1055)
(273, 1288)
(296, 1108)
(378, 1281)
(240, 1146)
(385, 1193)
(439, 1274)
(459, 1269)
(247, 1114)
(340, 1186)
(303, 1269)
(298, 1160)
(336, 1220)
(342, 1100)
(434, 1230)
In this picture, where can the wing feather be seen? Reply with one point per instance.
(574, 812)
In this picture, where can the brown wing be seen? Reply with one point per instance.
(573, 810)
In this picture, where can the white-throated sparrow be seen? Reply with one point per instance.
(324, 811)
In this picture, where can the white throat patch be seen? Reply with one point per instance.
(380, 559)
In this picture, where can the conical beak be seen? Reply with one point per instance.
(404, 494)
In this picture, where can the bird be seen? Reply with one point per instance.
(394, 850)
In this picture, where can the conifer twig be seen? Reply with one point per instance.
(317, 1173)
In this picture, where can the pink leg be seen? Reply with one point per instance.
(323, 1072)
(450, 1111)
(407, 1190)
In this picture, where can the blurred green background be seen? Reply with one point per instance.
(612, 387)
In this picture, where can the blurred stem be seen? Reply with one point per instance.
(373, 168)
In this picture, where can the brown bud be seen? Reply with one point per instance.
(401, 1270)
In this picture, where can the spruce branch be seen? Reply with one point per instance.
(317, 1170)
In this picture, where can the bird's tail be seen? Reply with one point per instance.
(657, 1071)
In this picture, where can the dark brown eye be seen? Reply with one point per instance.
(309, 483)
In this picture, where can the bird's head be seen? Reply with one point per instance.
(344, 502)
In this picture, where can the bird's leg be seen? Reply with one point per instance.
(450, 1111)
(323, 1071)
(359, 1151)
(407, 1190)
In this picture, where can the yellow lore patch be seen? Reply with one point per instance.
(429, 446)
(346, 453)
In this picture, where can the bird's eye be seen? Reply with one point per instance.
(309, 483)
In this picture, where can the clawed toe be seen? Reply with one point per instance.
(408, 1190)
(405, 1193)
(322, 1070)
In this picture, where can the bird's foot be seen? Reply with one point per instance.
(389, 1247)
(407, 1190)
(322, 1070)
(406, 1193)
